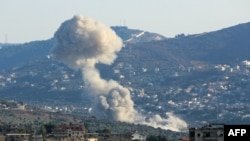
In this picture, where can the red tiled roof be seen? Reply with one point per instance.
(184, 139)
(72, 127)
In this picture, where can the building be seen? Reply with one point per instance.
(68, 133)
(91, 137)
(246, 63)
(17, 137)
(138, 137)
(77, 131)
(57, 135)
(37, 137)
(184, 139)
(210, 132)
(2, 138)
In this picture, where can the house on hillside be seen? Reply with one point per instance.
(210, 132)
(68, 132)
(17, 137)
(38, 137)
(138, 137)
(184, 139)
(73, 130)
(246, 63)
(91, 137)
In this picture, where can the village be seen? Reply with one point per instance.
(78, 132)
(23, 129)
(63, 132)
(22, 122)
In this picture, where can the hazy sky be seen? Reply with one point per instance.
(28, 20)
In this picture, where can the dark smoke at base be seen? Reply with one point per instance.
(81, 43)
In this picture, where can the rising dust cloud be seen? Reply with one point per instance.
(81, 43)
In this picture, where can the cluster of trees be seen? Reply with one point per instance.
(157, 138)
(48, 128)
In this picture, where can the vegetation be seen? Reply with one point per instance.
(36, 121)
(49, 127)
(157, 138)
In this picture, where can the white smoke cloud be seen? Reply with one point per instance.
(173, 122)
(81, 43)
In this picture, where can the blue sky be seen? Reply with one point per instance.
(29, 20)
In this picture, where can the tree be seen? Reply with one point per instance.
(49, 127)
(157, 138)
(43, 130)
(106, 131)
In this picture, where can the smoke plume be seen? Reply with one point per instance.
(81, 43)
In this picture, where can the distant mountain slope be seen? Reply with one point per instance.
(191, 75)
(228, 45)
(222, 46)
(16, 55)
(135, 35)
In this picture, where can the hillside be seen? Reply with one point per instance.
(18, 113)
(201, 78)
(225, 46)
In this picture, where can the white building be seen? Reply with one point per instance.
(137, 136)
(246, 62)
